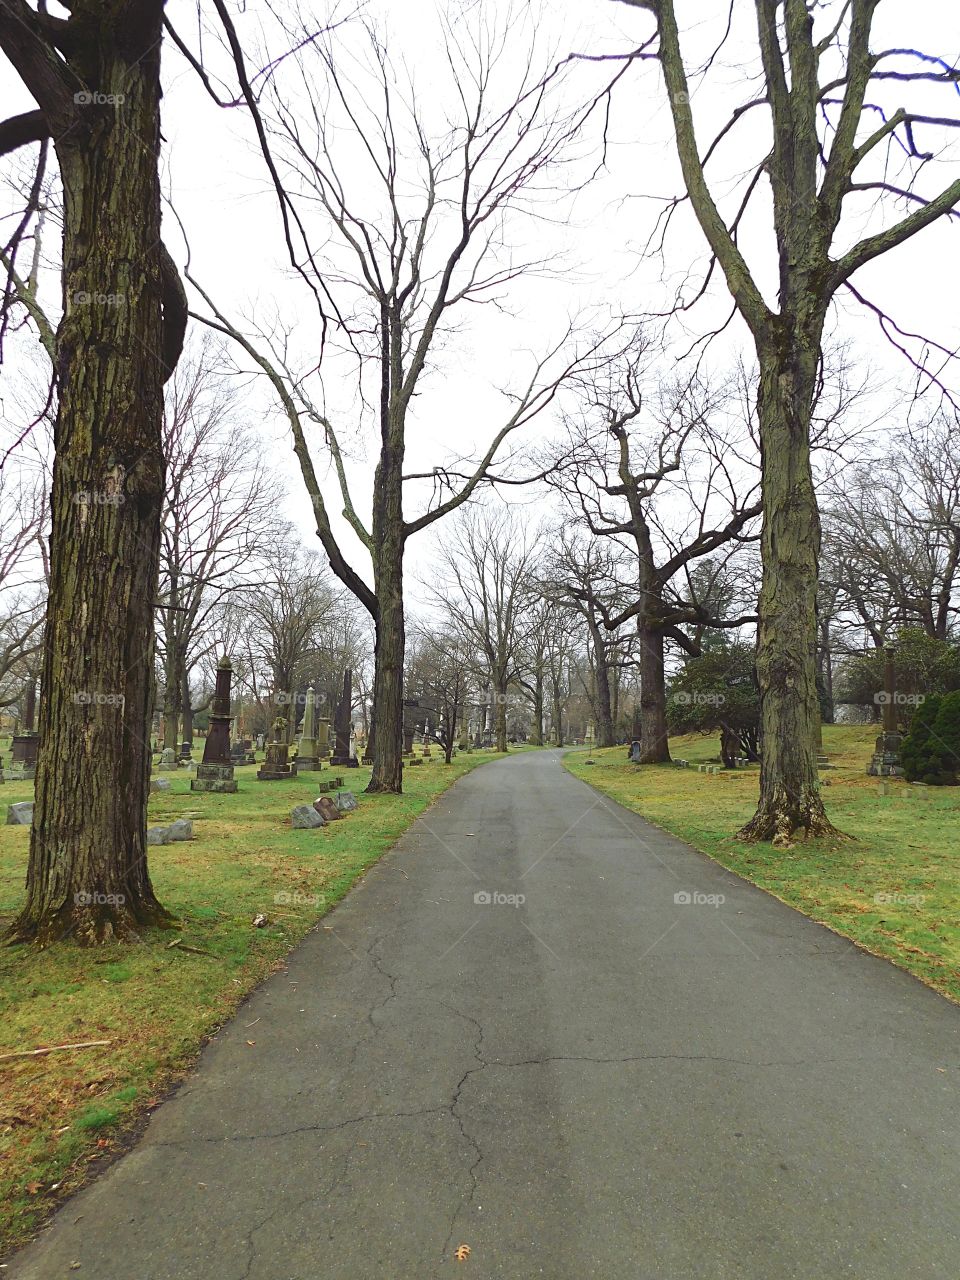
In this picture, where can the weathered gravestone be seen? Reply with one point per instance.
(307, 756)
(346, 801)
(215, 772)
(23, 757)
(168, 760)
(327, 809)
(306, 817)
(277, 764)
(20, 814)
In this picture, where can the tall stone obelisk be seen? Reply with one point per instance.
(215, 773)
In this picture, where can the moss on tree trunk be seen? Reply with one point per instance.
(791, 806)
(87, 875)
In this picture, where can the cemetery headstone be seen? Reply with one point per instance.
(20, 814)
(305, 817)
(307, 757)
(346, 801)
(168, 760)
(215, 772)
(634, 753)
(277, 764)
(327, 809)
(23, 757)
(323, 738)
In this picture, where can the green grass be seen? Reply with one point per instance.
(156, 1002)
(905, 845)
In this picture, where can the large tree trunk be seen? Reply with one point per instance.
(87, 873)
(500, 716)
(654, 747)
(790, 801)
(602, 700)
(388, 544)
(537, 735)
(171, 699)
(557, 718)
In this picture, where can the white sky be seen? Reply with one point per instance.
(216, 179)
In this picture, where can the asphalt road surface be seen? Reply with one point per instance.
(513, 1035)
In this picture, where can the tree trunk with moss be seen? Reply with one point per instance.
(87, 875)
(790, 805)
(500, 711)
(387, 547)
(654, 745)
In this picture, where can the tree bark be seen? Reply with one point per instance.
(790, 802)
(500, 715)
(654, 746)
(537, 736)
(602, 698)
(87, 873)
(171, 699)
(388, 539)
(557, 701)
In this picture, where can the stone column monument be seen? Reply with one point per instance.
(215, 772)
(323, 738)
(307, 749)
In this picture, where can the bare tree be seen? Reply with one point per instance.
(662, 470)
(285, 615)
(892, 537)
(416, 197)
(22, 526)
(441, 673)
(217, 517)
(585, 576)
(485, 584)
(830, 142)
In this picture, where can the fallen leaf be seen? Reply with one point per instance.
(251, 1042)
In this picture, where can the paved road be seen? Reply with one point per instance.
(599, 1081)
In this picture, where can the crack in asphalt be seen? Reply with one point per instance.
(467, 1137)
(451, 1106)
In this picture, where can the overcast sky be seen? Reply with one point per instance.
(215, 178)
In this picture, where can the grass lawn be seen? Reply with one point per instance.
(62, 1113)
(894, 889)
